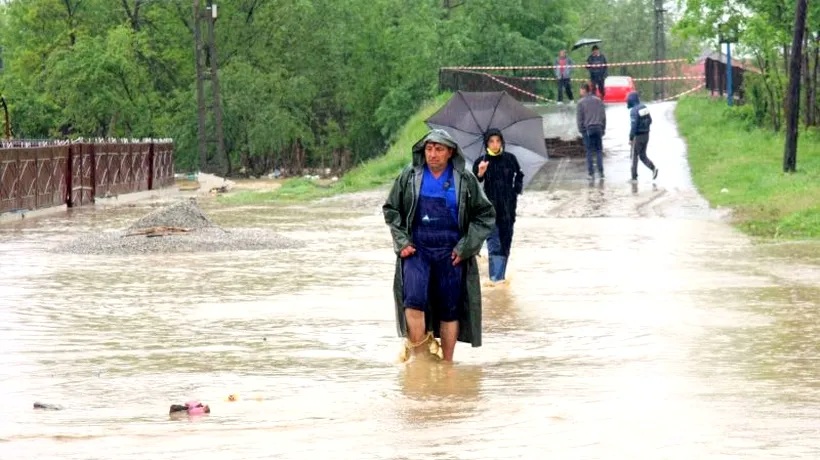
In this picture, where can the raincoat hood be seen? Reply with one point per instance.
(493, 132)
(632, 100)
(439, 136)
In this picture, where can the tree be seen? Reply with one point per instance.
(793, 101)
(304, 82)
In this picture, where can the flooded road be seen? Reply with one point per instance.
(635, 325)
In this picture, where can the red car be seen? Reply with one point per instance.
(617, 89)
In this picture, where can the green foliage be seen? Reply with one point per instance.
(372, 173)
(327, 76)
(724, 154)
(766, 30)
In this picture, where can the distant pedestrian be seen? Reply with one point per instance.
(641, 120)
(563, 73)
(591, 121)
(597, 66)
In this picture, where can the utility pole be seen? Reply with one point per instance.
(793, 95)
(200, 90)
(209, 14)
(660, 49)
(223, 161)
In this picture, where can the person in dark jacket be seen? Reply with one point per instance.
(591, 119)
(563, 74)
(439, 218)
(503, 180)
(641, 120)
(596, 64)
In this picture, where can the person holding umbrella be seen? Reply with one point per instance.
(503, 181)
(597, 65)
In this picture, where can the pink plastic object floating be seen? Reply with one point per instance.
(197, 408)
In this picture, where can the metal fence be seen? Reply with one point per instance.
(716, 81)
(460, 80)
(39, 174)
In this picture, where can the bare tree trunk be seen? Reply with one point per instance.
(806, 67)
(770, 90)
(779, 103)
(7, 126)
(793, 99)
(298, 157)
(815, 110)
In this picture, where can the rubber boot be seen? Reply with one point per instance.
(497, 273)
(492, 262)
(502, 271)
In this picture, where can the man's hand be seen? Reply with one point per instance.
(456, 259)
(482, 168)
(630, 142)
(407, 252)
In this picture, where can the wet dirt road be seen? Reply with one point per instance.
(636, 325)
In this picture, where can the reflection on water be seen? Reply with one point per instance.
(617, 337)
(438, 391)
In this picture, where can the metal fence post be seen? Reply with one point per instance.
(69, 199)
(151, 166)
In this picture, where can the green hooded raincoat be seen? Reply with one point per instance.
(476, 218)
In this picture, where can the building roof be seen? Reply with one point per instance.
(721, 57)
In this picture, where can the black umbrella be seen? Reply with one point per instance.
(467, 116)
(585, 42)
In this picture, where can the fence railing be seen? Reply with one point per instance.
(716, 81)
(39, 174)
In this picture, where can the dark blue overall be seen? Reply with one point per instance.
(430, 279)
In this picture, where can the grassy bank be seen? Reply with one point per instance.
(741, 168)
(373, 173)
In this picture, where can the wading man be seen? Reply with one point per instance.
(439, 218)
(503, 181)
(591, 119)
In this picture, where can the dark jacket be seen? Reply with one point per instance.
(597, 73)
(476, 219)
(503, 181)
(639, 116)
(591, 112)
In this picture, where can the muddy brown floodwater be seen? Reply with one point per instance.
(636, 325)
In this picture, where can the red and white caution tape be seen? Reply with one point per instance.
(535, 96)
(586, 79)
(546, 67)
(514, 87)
(668, 78)
(683, 93)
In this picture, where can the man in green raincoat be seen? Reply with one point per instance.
(439, 218)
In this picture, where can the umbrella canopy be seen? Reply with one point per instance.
(467, 116)
(585, 42)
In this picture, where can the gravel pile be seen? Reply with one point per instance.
(177, 228)
(185, 214)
